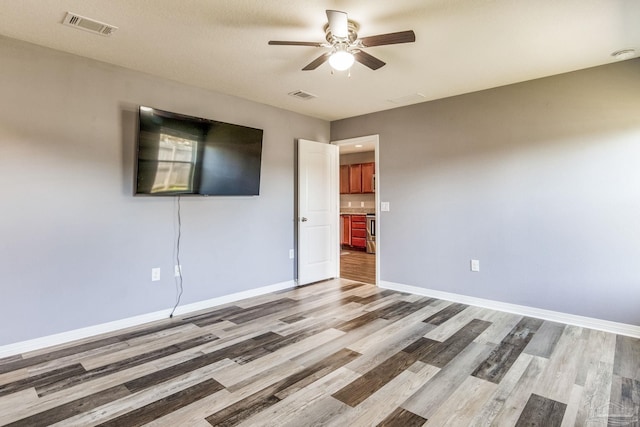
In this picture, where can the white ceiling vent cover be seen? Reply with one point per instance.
(88, 24)
(409, 99)
(302, 95)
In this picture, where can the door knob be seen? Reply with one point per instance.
(304, 219)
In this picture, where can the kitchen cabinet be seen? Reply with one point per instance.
(368, 177)
(355, 178)
(344, 179)
(359, 231)
(345, 230)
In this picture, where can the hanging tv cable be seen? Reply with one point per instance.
(178, 277)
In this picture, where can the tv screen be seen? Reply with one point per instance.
(185, 155)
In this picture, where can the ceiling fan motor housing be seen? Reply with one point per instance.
(350, 39)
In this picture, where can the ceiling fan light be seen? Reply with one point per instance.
(341, 60)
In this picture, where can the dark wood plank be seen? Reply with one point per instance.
(315, 371)
(230, 352)
(371, 316)
(495, 367)
(272, 394)
(217, 313)
(360, 389)
(58, 384)
(42, 379)
(292, 319)
(441, 354)
(397, 312)
(402, 418)
(76, 407)
(351, 286)
(165, 406)
(358, 322)
(10, 359)
(206, 319)
(335, 304)
(246, 408)
(88, 346)
(543, 412)
(422, 347)
(445, 314)
(316, 328)
(371, 298)
(257, 311)
(57, 354)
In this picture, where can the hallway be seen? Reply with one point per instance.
(358, 265)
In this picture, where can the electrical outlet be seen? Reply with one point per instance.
(177, 270)
(362, 204)
(291, 254)
(475, 265)
(155, 274)
(384, 206)
(348, 204)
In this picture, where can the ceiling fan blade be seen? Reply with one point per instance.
(317, 62)
(288, 43)
(391, 38)
(368, 60)
(338, 23)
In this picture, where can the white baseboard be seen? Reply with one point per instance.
(555, 316)
(76, 334)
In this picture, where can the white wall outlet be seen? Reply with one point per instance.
(475, 265)
(384, 206)
(155, 274)
(177, 270)
(362, 204)
(291, 254)
(348, 204)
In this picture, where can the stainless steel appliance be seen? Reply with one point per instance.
(371, 233)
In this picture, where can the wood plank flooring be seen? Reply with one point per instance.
(336, 353)
(358, 265)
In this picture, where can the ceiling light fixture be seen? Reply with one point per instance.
(341, 59)
(623, 54)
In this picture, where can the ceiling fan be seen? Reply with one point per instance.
(346, 47)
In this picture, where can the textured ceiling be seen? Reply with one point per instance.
(461, 45)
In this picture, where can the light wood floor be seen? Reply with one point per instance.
(337, 353)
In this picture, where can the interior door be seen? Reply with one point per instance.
(318, 201)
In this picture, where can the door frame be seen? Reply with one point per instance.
(375, 140)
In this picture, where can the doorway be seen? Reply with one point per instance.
(359, 249)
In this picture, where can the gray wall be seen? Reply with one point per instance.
(540, 181)
(363, 157)
(76, 248)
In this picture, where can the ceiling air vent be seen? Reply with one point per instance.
(409, 99)
(87, 24)
(302, 95)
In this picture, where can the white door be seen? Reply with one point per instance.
(318, 200)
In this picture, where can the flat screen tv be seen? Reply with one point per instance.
(185, 155)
